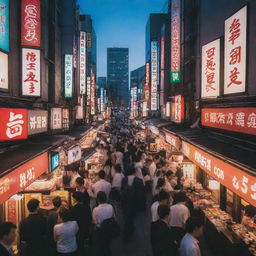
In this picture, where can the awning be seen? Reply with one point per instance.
(79, 131)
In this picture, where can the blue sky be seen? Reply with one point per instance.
(121, 23)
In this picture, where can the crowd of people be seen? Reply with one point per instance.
(131, 180)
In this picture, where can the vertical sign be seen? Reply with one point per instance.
(37, 121)
(88, 90)
(31, 85)
(56, 118)
(82, 62)
(68, 86)
(235, 52)
(154, 74)
(3, 71)
(30, 23)
(178, 109)
(175, 41)
(93, 94)
(147, 82)
(210, 72)
(4, 25)
(89, 40)
(102, 107)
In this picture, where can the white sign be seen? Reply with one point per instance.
(88, 90)
(235, 52)
(154, 75)
(79, 112)
(56, 118)
(37, 121)
(210, 72)
(3, 71)
(68, 75)
(74, 154)
(102, 105)
(82, 62)
(31, 84)
(93, 103)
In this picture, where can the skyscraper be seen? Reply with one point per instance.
(118, 75)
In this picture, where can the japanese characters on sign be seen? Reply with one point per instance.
(233, 119)
(74, 154)
(93, 103)
(175, 41)
(20, 178)
(31, 81)
(178, 109)
(133, 101)
(13, 124)
(65, 118)
(235, 52)
(173, 140)
(162, 52)
(144, 109)
(102, 104)
(55, 161)
(37, 121)
(4, 25)
(68, 75)
(56, 118)
(89, 40)
(228, 175)
(88, 87)
(168, 109)
(3, 71)
(147, 83)
(11, 211)
(79, 112)
(82, 62)
(154, 75)
(210, 72)
(30, 23)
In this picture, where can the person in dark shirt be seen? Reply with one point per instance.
(33, 231)
(82, 214)
(7, 237)
(162, 239)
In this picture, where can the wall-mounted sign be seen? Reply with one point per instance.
(173, 140)
(231, 177)
(89, 40)
(56, 118)
(37, 121)
(20, 178)
(210, 72)
(102, 104)
(178, 109)
(233, 119)
(93, 103)
(82, 62)
(31, 81)
(144, 109)
(65, 118)
(147, 83)
(175, 41)
(30, 23)
(154, 75)
(68, 83)
(55, 161)
(4, 25)
(79, 112)
(3, 71)
(235, 52)
(13, 124)
(74, 154)
(88, 87)
(134, 102)
(168, 109)
(75, 52)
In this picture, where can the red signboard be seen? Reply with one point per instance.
(233, 119)
(233, 178)
(13, 124)
(173, 140)
(23, 176)
(30, 23)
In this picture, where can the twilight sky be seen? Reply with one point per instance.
(121, 23)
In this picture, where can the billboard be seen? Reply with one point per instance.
(56, 118)
(37, 121)
(4, 71)
(82, 62)
(154, 75)
(88, 87)
(178, 109)
(93, 103)
(4, 26)
(68, 81)
(31, 81)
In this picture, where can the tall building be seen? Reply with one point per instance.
(118, 75)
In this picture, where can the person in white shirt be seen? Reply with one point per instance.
(163, 199)
(65, 234)
(101, 185)
(103, 211)
(119, 156)
(152, 168)
(189, 244)
(117, 177)
(74, 176)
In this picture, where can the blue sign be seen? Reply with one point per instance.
(4, 25)
(55, 161)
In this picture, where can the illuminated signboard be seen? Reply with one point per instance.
(235, 52)
(102, 105)
(55, 161)
(37, 121)
(82, 62)
(93, 94)
(210, 72)
(175, 41)
(30, 23)
(4, 25)
(147, 83)
(154, 75)
(68, 83)
(31, 81)
(56, 118)
(178, 109)
(3, 71)
(88, 91)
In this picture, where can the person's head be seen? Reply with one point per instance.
(194, 226)
(101, 197)
(64, 203)
(158, 173)
(78, 196)
(102, 174)
(56, 201)
(33, 205)
(160, 183)
(145, 171)
(130, 170)
(8, 233)
(156, 158)
(148, 162)
(250, 211)
(65, 214)
(163, 197)
(181, 197)
(79, 182)
(169, 175)
(163, 212)
(118, 168)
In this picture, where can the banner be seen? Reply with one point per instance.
(68, 83)
(82, 62)
(4, 71)
(4, 25)
(154, 75)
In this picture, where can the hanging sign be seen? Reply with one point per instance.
(68, 83)
(82, 62)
